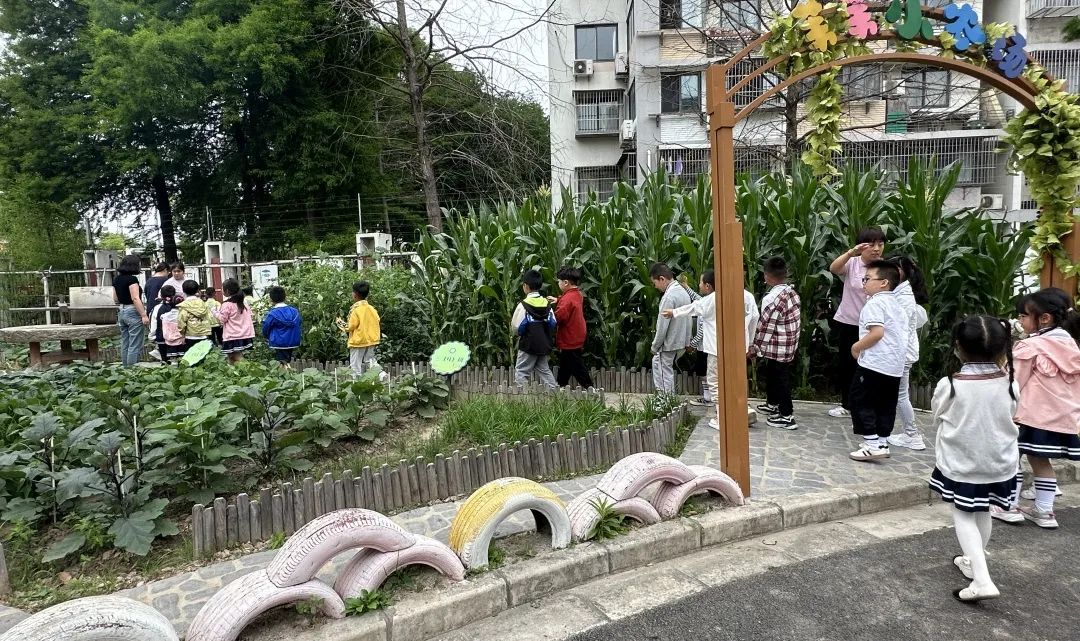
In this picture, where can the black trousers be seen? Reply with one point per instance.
(846, 336)
(778, 384)
(873, 402)
(572, 365)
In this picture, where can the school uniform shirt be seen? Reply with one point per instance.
(916, 318)
(750, 319)
(705, 310)
(976, 436)
(889, 355)
(853, 298)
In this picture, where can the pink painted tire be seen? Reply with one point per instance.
(369, 568)
(670, 497)
(584, 517)
(629, 476)
(306, 551)
(236, 605)
(96, 618)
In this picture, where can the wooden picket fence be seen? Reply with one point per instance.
(286, 507)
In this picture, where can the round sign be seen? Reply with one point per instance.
(198, 352)
(450, 358)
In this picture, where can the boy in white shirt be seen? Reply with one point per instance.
(881, 352)
(705, 309)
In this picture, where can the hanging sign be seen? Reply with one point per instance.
(450, 358)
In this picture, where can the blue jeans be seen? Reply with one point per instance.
(132, 335)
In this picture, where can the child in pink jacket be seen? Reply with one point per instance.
(237, 328)
(1048, 370)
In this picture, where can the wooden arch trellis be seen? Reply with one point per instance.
(727, 231)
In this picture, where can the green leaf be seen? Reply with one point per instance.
(133, 534)
(64, 547)
(75, 483)
(378, 417)
(22, 509)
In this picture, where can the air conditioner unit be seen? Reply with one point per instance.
(622, 66)
(628, 133)
(992, 201)
(583, 67)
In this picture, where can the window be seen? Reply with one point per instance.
(598, 112)
(926, 88)
(685, 165)
(675, 14)
(630, 29)
(680, 93)
(741, 16)
(631, 103)
(628, 169)
(756, 87)
(861, 83)
(595, 180)
(596, 42)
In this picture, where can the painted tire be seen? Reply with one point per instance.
(671, 497)
(236, 605)
(369, 568)
(306, 551)
(480, 515)
(629, 476)
(584, 517)
(96, 618)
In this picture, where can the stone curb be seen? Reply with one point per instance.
(442, 610)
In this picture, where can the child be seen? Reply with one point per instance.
(570, 338)
(193, 319)
(672, 334)
(976, 443)
(912, 295)
(777, 342)
(705, 309)
(177, 279)
(153, 287)
(880, 354)
(1048, 371)
(699, 362)
(534, 325)
(237, 329)
(163, 325)
(215, 308)
(363, 329)
(281, 327)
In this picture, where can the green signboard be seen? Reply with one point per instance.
(450, 358)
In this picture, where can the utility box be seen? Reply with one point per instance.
(91, 305)
(100, 266)
(370, 247)
(218, 253)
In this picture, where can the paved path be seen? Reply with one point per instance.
(880, 576)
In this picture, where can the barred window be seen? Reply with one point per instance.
(598, 112)
(595, 180)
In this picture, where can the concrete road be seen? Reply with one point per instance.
(895, 590)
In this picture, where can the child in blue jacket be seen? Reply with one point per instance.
(281, 327)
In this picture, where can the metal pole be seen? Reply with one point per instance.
(359, 214)
(728, 257)
(45, 287)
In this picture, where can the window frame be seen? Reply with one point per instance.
(596, 41)
(664, 93)
(916, 78)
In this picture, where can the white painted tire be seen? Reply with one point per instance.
(584, 517)
(480, 515)
(306, 551)
(236, 605)
(629, 476)
(671, 497)
(96, 618)
(369, 568)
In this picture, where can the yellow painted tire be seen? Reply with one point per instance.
(476, 521)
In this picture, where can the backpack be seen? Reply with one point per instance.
(170, 331)
(538, 337)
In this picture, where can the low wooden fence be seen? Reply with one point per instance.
(287, 507)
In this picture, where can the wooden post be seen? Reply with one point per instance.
(1051, 276)
(728, 257)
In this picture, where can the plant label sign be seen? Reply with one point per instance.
(450, 358)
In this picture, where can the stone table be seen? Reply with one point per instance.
(35, 335)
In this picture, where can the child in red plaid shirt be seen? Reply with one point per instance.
(776, 342)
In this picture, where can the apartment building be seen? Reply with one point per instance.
(628, 97)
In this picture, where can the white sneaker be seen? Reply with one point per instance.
(870, 453)
(910, 442)
(1008, 516)
(1029, 493)
(964, 565)
(714, 424)
(1038, 517)
(839, 412)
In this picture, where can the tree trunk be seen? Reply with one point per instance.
(416, 101)
(165, 217)
(791, 126)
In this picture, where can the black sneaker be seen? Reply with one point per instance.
(765, 408)
(783, 422)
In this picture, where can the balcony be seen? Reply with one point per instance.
(599, 113)
(1053, 8)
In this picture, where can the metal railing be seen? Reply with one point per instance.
(1063, 64)
(598, 112)
(1053, 8)
(595, 180)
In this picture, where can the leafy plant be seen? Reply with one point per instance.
(276, 540)
(425, 394)
(609, 525)
(272, 414)
(368, 601)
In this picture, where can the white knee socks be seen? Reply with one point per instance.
(1045, 488)
(1015, 499)
(973, 532)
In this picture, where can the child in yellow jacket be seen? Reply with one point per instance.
(363, 329)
